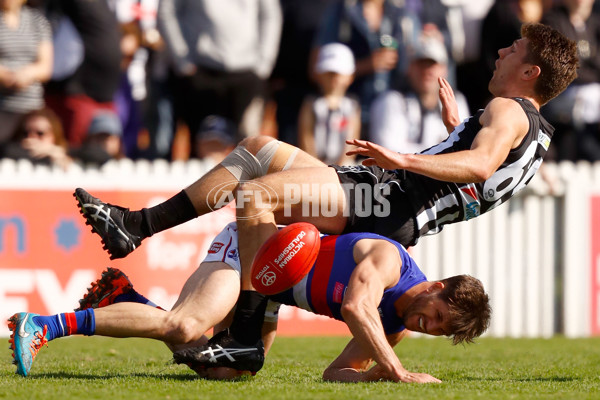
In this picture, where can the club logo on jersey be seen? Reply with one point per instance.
(233, 254)
(215, 248)
(471, 202)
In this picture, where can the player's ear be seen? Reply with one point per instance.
(532, 72)
(436, 286)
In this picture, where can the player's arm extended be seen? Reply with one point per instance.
(378, 268)
(504, 124)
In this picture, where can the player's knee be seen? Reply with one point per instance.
(184, 330)
(258, 156)
(255, 143)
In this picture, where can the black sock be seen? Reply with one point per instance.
(148, 221)
(248, 318)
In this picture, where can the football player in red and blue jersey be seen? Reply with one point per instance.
(368, 281)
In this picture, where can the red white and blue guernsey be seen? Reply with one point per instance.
(322, 290)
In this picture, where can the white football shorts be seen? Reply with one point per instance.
(224, 248)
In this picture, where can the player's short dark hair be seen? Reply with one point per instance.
(469, 307)
(555, 54)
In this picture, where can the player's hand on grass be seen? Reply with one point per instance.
(416, 377)
(377, 155)
(378, 373)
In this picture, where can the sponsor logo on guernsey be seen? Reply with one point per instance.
(471, 202)
(338, 292)
(215, 248)
(543, 140)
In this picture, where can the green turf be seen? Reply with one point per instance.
(102, 368)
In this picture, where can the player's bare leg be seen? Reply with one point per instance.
(274, 156)
(205, 300)
(122, 230)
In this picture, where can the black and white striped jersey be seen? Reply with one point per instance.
(437, 203)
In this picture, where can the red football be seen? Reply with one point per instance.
(285, 258)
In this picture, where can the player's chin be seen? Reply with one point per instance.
(221, 373)
(412, 323)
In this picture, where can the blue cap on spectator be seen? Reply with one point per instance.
(217, 128)
(106, 122)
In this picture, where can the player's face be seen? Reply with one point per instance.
(508, 66)
(428, 314)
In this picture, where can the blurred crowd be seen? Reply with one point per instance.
(93, 80)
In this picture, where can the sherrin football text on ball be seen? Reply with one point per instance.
(285, 258)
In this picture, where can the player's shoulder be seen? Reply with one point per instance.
(378, 244)
(503, 104)
(504, 110)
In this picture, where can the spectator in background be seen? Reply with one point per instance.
(465, 26)
(158, 106)
(25, 63)
(434, 16)
(576, 112)
(326, 122)
(39, 138)
(377, 32)
(290, 82)
(222, 53)
(127, 107)
(411, 121)
(103, 140)
(92, 86)
(215, 139)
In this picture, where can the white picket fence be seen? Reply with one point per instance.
(532, 254)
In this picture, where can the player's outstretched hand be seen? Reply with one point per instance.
(450, 115)
(377, 155)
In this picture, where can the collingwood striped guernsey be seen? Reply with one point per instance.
(437, 203)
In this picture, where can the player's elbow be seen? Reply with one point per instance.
(350, 310)
(482, 172)
(347, 309)
(329, 374)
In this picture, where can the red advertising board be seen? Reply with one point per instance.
(48, 256)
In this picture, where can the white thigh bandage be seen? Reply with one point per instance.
(246, 166)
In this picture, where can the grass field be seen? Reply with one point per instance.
(103, 368)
